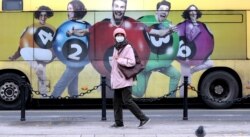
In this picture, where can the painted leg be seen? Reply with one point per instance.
(139, 88)
(207, 64)
(174, 76)
(68, 76)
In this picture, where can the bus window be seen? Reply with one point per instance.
(8, 5)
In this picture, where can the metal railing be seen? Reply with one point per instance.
(25, 87)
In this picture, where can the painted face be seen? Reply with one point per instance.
(70, 11)
(162, 12)
(193, 13)
(43, 17)
(119, 8)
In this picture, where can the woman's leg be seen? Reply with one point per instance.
(131, 105)
(117, 105)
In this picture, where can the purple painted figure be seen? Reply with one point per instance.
(196, 44)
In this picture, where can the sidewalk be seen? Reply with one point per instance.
(75, 125)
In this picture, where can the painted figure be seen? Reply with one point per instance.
(101, 43)
(164, 47)
(71, 50)
(35, 45)
(196, 44)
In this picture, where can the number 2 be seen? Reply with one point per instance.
(74, 55)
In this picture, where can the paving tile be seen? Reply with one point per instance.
(65, 135)
(112, 135)
(141, 135)
(24, 136)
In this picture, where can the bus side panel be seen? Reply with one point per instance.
(219, 23)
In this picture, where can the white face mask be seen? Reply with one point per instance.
(119, 38)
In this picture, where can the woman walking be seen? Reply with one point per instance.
(123, 55)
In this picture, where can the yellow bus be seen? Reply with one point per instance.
(61, 48)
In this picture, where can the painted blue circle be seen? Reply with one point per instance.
(71, 50)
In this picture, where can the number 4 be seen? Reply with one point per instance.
(45, 36)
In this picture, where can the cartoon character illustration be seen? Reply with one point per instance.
(196, 44)
(35, 45)
(164, 48)
(70, 49)
(101, 49)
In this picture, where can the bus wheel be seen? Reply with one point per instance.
(10, 95)
(219, 85)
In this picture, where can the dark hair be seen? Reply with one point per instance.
(46, 9)
(163, 2)
(79, 9)
(185, 13)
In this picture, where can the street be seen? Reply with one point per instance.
(88, 123)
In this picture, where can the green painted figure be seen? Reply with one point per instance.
(164, 44)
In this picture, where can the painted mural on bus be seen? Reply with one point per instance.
(64, 50)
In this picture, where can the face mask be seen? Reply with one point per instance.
(119, 38)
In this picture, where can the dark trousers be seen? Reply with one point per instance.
(123, 95)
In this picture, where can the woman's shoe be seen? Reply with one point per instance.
(143, 122)
(117, 125)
